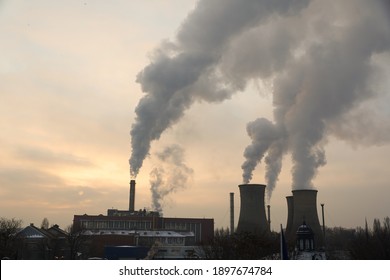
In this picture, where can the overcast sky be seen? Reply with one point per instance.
(73, 73)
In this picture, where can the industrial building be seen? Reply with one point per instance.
(142, 228)
(145, 228)
(143, 220)
(202, 228)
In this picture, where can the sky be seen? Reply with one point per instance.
(200, 97)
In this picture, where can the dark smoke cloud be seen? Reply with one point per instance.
(171, 175)
(186, 70)
(319, 59)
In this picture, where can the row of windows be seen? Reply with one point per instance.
(164, 240)
(141, 225)
(181, 226)
(116, 225)
(175, 226)
(305, 244)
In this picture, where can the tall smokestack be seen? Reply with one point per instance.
(323, 220)
(132, 195)
(252, 209)
(290, 215)
(305, 210)
(231, 213)
(269, 216)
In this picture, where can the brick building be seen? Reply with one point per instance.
(202, 228)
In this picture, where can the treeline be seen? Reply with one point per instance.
(8, 228)
(372, 244)
(368, 243)
(241, 246)
(362, 243)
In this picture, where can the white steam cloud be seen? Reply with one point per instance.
(326, 71)
(320, 58)
(171, 175)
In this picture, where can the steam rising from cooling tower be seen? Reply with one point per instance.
(321, 60)
(321, 76)
(171, 175)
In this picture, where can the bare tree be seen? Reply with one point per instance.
(372, 244)
(244, 246)
(45, 223)
(77, 242)
(8, 228)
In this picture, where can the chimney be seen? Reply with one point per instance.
(132, 196)
(269, 216)
(290, 215)
(231, 213)
(252, 209)
(323, 220)
(305, 210)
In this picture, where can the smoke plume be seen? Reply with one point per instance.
(187, 69)
(320, 58)
(263, 134)
(328, 71)
(171, 175)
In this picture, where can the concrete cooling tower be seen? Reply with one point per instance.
(302, 207)
(252, 210)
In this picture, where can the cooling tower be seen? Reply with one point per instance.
(304, 209)
(252, 209)
(132, 195)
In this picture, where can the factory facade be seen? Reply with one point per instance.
(131, 230)
(202, 228)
